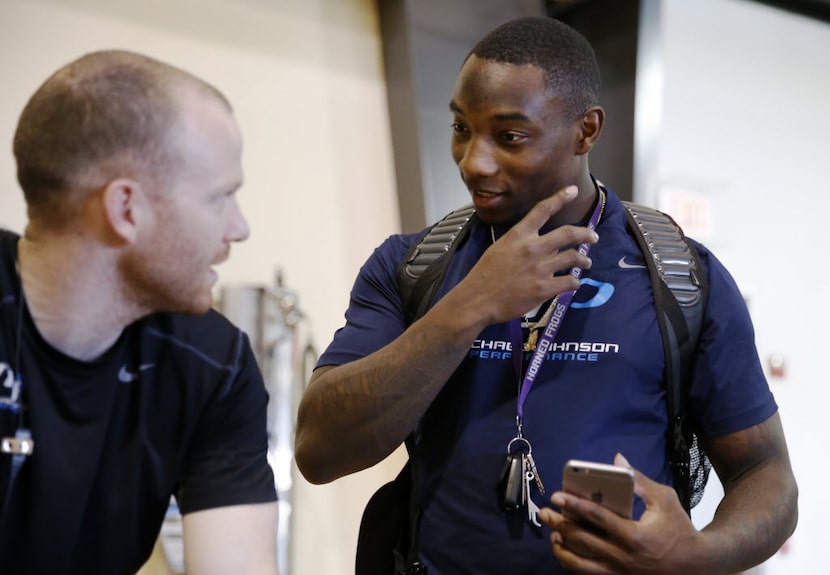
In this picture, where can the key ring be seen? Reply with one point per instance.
(522, 439)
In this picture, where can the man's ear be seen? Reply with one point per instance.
(123, 205)
(590, 128)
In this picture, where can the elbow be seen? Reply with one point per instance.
(311, 464)
(325, 445)
(311, 455)
(311, 444)
(787, 509)
(793, 508)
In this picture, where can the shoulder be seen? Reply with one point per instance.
(616, 222)
(720, 280)
(392, 250)
(381, 268)
(208, 338)
(208, 327)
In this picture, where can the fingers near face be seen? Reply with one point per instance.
(545, 209)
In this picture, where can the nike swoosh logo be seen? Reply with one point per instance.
(126, 376)
(627, 266)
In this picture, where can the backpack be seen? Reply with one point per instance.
(387, 539)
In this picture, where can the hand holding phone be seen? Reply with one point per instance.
(609, 485)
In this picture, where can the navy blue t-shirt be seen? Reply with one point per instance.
(176, 406)
(598, 392)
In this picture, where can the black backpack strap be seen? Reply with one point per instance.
(382, 526)
(406, 557)
(680, 293)
(388, 536)
(387, 542)
(422, 269)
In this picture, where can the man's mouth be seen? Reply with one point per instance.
(222, 258)
(486, 199)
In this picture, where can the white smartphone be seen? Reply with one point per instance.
(610, 485)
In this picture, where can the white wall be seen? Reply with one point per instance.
(745, 129)
(305, 78)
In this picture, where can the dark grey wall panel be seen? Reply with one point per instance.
(425, 43)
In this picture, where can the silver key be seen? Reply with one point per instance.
(532, 508)
(536, 477)
(525, 486)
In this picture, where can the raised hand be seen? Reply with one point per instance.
(517, 272)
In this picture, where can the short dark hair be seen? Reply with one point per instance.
(564, 54)
(107, 114)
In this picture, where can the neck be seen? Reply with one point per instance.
(70, 296)
(578, 212)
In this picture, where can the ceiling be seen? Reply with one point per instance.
(818, 9)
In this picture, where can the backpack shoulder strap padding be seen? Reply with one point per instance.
(675, 264)
(422, 269)
(680, 294)
(674, 258)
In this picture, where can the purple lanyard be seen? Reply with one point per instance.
(561, 305)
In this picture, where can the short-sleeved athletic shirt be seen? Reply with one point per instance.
(177, 406)
(598, 392)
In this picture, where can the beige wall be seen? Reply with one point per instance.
(305, 78)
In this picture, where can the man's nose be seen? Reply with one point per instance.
(238, 229)
(478, 159)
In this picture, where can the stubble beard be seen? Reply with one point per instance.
(158, 282)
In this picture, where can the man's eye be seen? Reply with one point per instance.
(457, 127)
(511, 137)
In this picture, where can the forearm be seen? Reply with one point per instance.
(757, 514)
(232, 539)
(354, 415)
(759, 510)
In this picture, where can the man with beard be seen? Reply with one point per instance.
(121, 387)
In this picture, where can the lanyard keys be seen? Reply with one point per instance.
(512, 482)
(518, 475)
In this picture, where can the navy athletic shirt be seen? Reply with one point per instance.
(177, 406)
(598, 392)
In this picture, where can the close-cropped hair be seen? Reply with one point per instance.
(106, 115)
(564, 54)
